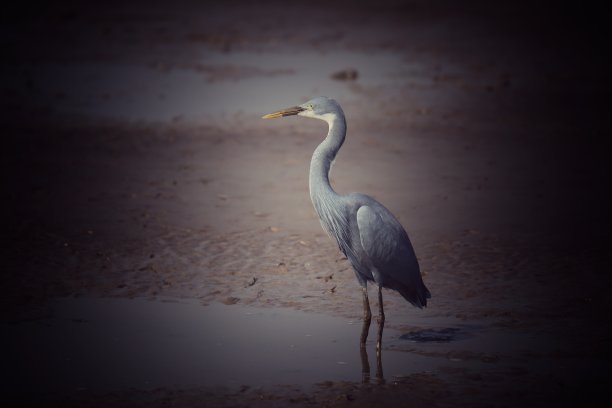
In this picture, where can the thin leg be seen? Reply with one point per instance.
(367, 313)
(381, 320)
(379, 368)
(381, 325)
(367, 317)
(365, 364)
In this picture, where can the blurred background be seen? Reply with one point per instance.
(134, 162)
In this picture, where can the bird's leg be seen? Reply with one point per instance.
(365, 363)
(367, 317)
(381, 321)
(380, 378)
(365, 329)
(367, 313)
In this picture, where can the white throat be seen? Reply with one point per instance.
(326, 117)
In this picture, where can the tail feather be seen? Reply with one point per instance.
(417, 296)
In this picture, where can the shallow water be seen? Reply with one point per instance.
(106, 344)
(109, 343)
(216, 84)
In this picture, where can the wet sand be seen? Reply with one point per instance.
(136, 166)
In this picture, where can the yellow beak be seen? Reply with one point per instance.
(294, 110)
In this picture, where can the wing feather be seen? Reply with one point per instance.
(390, 253)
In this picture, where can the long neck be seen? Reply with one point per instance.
(324, 155)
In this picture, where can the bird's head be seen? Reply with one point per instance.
(320, 107)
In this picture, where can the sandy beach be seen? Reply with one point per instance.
(136, 166)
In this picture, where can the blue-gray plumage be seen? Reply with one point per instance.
(372, 239)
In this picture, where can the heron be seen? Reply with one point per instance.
(367, 233)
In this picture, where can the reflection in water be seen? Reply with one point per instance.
(365, 363)
(365, 329)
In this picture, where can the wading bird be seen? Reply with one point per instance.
(372, 239)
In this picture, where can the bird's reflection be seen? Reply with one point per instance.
(365, 363)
